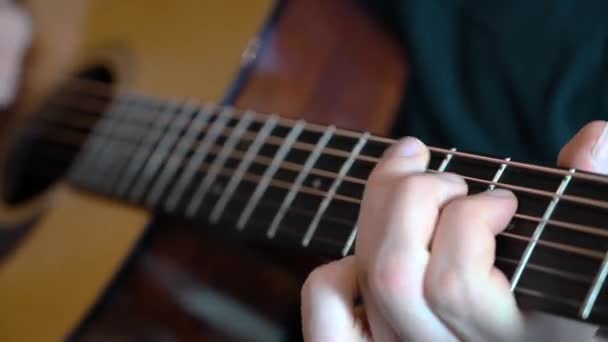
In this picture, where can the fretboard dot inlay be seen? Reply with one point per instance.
(317, 183)
(217, 189)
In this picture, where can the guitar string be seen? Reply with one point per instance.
(339, 153)
(100, 89)
(324, 173)
(286, 165)
(225, 171)
(559, 273)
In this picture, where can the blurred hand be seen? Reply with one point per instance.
(424, 263)
(15, 37)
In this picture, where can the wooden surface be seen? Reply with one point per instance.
(325, 61)
(56, 274)
(329, 62)
(187, 48)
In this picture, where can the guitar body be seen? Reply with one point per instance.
(76, 263)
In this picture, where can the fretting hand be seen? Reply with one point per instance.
(424, 263)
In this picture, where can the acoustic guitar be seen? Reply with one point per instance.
(123, 206)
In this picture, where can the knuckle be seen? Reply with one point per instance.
(446, 293)
(418, 183)
(315, 280)
(390, 278)
(408, 184)
(463, 207)
(430, 185)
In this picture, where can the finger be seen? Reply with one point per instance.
(462, 286)
(397, 220)
(328, 300)
(588, 149)
(408, 155)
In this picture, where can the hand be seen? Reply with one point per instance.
(15, 36)
(424, 263)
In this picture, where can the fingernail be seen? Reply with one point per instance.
(600, 151)
(500, 193)
(409, 147)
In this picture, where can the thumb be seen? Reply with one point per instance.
(588, 149)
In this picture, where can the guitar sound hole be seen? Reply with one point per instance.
(45, 149)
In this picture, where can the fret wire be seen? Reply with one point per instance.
(297, 184)
(349, 241)
(253, 150)
(161, 151)
(219, 162)
(200, 121)
(325, 203)
(93, 143)
(446, 161)
(124, 150)
(539, 230)
(200, 153)
(143, 151)
(594, 290)
(498, 174)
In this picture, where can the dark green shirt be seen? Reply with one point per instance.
(508, 77)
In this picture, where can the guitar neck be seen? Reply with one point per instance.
(300, 184)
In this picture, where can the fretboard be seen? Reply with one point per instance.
(300, 184)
